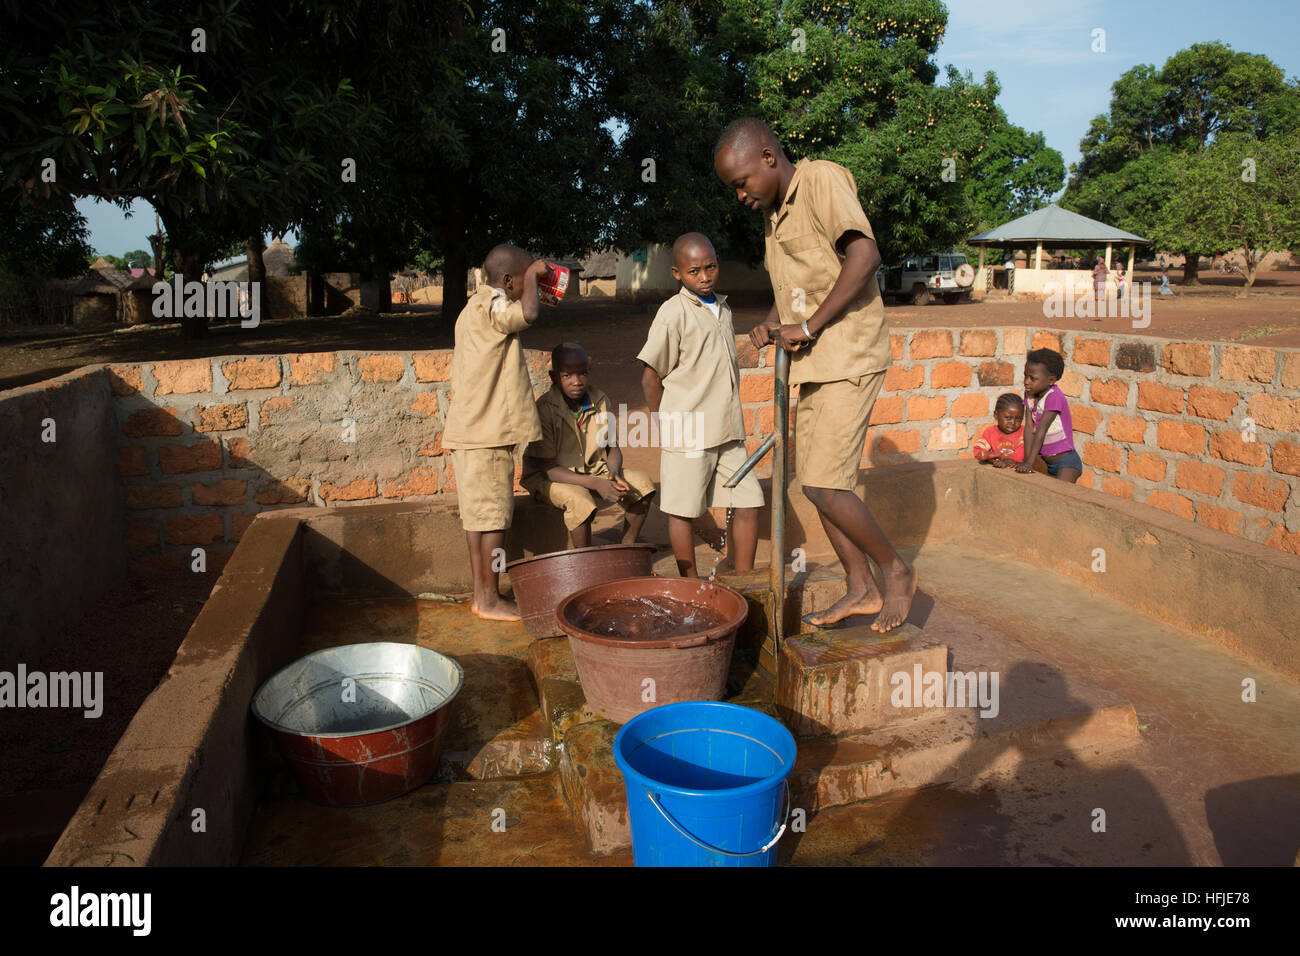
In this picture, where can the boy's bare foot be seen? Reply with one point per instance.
(858, 600)
(900, 586)
(498, 610)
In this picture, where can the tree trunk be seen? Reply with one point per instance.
(190, 265)
(253, 247)
(455, 269)
(157, 244)
(1191, 268)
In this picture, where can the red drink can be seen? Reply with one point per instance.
(552, 286)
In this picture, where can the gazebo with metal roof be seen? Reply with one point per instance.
(1060, 229)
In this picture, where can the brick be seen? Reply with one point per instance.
(1174, 504)
(310, 368)
(994, 374)
(1086, 480)
(1085, 419)
(900, 379)
(141, 534)
(273, 409)
(1286, 458)
(1228, 445)
(194, 529)
(1187, 358)
(434, 450)
(1155, 397)
(1047, 340)
(1284, 540)
(887, 411)
(237, 454)
(357, 490)
(950, 375)
(1013, 342)
(1291, 370)
(746, 352)
(239, 524)
(978, 342)
(426, 403)
(417, 481)
(130, 460)
(178, 459)
(931, 343)
(221, 418)
(1135, 357)
(1109, 391)
(125, 379)
(1221, 519)
(1122, 428)
(152, 423)
(1260, 490)
(1071, 383)
(896, 342)
(756, 387)
(1281, 414)
(947, 436)
(153, 496)
(1117, 487)
(973, 405)
(1146, 465)
(920, 408)
(436, 366)
(1246, 363)
(380, 368)
(766, 420)
(183, 376)
(1092, 351)
(1211, 402)
(290, 491)
(1097, 455)
(225, 492)
(252, 373)
(1180, 436)
(897, 442)
(1200, 477)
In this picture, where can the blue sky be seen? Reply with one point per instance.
(1041, 51)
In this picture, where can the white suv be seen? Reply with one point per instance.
(935, 275)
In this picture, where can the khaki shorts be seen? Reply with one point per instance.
(690, 486)
(578, 503)
(485, 487)
(831, 430)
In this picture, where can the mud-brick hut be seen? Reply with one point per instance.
(95, 295)
(599, 273)
(135, 301)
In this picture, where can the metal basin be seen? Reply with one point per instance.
(542, 582)
(361, 723)
(624, 676)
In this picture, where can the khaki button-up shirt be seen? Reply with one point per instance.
(821, 204)
(579, 448)
(695, 356)
(492, 404)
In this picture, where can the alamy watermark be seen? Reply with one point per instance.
(1079, 301)
(221, 300)
(76, 689)
(950, 689)
(638, 429)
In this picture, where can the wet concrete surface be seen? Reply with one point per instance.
(1208, 780)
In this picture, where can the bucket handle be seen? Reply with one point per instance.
(654, 799)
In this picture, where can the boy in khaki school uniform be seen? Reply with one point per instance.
(692, 381)
(822, 259)
(578, 456)
(492, 411)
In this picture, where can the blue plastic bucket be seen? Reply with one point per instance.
(706, 784)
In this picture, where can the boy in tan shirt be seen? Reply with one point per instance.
(822, 258)
(692, 382)
(492, 411)
(577, 457)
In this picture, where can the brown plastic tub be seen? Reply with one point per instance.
(542, 582)
(623, 676)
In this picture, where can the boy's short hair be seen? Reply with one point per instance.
(564, 348)
(745, 134)
(1008, 400)
(1051, 360)
(504, 260)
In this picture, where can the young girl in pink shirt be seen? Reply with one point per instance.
(1049, 430)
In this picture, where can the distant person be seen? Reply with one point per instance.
(1099, 286)
(1011, 271)
(1049, 429)
(1002, 444)
(1119, 281)
(692, 381)
(577, 460)
(492, 412)
(822, 257)
(1164, 284)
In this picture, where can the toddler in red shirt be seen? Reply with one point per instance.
(1002, 444)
